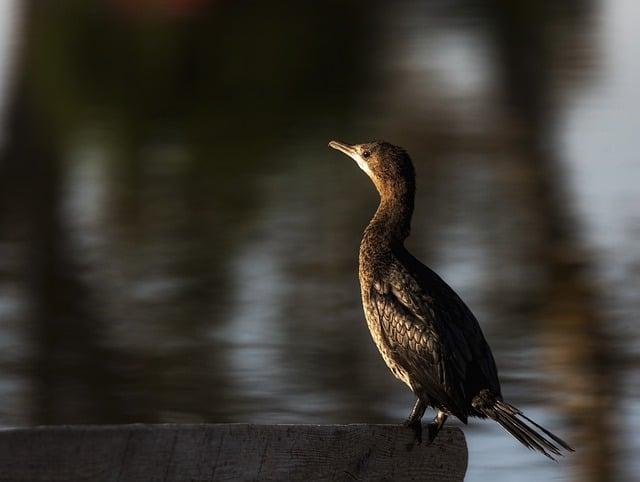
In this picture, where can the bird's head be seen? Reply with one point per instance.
(388, 166)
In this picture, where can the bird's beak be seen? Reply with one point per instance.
(353, 153)
(345, 148)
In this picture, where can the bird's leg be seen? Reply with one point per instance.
(415, 419)
(435, 426)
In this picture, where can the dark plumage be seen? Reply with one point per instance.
(425, 333)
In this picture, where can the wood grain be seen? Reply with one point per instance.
(206, 452)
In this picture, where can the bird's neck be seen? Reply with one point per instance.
(391, 224)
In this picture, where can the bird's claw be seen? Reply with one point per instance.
(416, 426)
(432, 430)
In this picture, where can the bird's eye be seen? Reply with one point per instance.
(366, 154)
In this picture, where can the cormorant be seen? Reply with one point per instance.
(425, 333)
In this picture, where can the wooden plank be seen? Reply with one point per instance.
(205, 452)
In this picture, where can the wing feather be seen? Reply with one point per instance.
(458, 320)
(435, 354)
(433, 336)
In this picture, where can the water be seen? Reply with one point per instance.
(177, 243)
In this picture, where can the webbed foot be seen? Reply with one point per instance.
(435, 426)
(416, 426)
(414, 421)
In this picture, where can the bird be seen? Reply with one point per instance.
(426, 334)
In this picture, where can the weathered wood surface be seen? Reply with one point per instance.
(228, 452)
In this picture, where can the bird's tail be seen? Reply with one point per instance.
(528, 432)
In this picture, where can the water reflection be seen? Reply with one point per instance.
(178, 244)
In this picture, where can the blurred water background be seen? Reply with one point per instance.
(178, 244)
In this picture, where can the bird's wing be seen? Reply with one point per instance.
(455, 315)
(435, 352)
